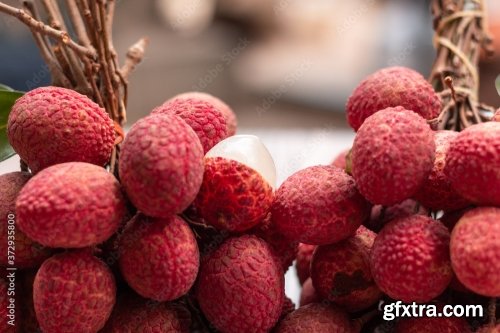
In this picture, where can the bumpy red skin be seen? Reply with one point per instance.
(241, 286)
(73, 292)
(308, 294)
(433, 325)
(340, 272)
(489, 329)
(28, 253)
(303, 263)
(472, 164)
(436, 192)
(319, 205)
(161, 165)
(4, 303)
(475, 250)
(392, 155)
(410, 259)
(391, 87)
(159, 257)
(316, 318)
(70, 205)
(288, 307)
(52, 125)
(381, 215)
(233, 196)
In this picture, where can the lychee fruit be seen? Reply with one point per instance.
(7, 308)
(319, 205)
(433, 325)
(52, 125)
(391, 87)
(489, 329)
(472, 164)
(288, 307)
(29, 322)
(381, 215)
(237, 189)
(161, 165)
(308, 294)
(340, 160)
(241, 286)
(316, 318)
(70, 205)
(340, 272)
(392, 155)
(475, 250)
(303, 262)
(410, 259)
(210, 118)
(73, 292)
(27, 252)
(159, 257)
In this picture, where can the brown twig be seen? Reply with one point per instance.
(134, 56)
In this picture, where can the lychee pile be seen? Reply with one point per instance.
(191, 232)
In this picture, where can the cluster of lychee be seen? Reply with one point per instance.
(190, 234)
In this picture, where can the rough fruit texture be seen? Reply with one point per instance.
(70, 205)
(28, 253)
(241, 286)
(340, 272)
(475, 250)
(472, 164)
(381, 215)
(433, 325)
(392, 155)
(73, 292)
(303, 263)
(161, 165)
(308, 294)
(288, 307)
(52, 125)
(436, 192)
(391, 87)
(489, 329)
(233, 196)
(319, 205)
(159, 257)
(410, 259)
(316, 318)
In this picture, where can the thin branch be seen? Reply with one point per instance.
(134, 56)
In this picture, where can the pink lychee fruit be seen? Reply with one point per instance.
(27, 252)
(308, 294)
(391, 87)
(237, 189)
(316, 318)
(7, 308)
(73, 292)
(52, 125)
(161, 165)
(159, 257)
(288, 307)
(241, 286)
(340, 272)
(70, 205)
(392, 155)
(381, 215)
(433, 325)
(489, 329)
(410, 259)
(303, 262)
(210, 118)
(341, 160)
(475, 250)
(472, 164)
(319, 205)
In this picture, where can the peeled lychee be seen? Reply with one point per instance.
(340, 272)
(52, 125)
(392, 155)
(209, 117)
(472, 164)
(241, 286)
(303, 263)
(316, 318)
(391, 87)
(381, 215)
(319, 205)
(159, 257)
(433, 325)
(410, 259)
(161, 165)
(70, 205)
(73, 292)
(308, 294)
(237, 189)
(475, 250)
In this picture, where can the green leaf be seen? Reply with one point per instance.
(497, 84)
(7, 99)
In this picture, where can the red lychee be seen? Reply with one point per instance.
(410, 259)
(70, 205)
(52, 125)
(319, 205)
(161, 165)
(392, 155)
(288, 307)
(475, 250)
(241, 286)
(391, 87)
(341, 160)
(489, 329)
(433, 325)
(303, 263)
(381, 215)
(472, 164)
(308, 294)
(73, 292)
(29, 322)
(159, 257)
